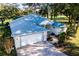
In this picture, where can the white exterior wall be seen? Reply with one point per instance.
(59, 30)
(56, 30)
(17, 41)
(45, 36)
(30, 39)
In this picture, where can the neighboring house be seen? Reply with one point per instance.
(25, 32)
(58, 28)
(54, 27)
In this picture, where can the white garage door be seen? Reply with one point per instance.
(30, 39)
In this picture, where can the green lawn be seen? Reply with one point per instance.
(60, 18)
(7, 20)
(75, 39)
(72, 44)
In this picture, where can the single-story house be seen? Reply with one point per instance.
(30, 38)
(25, 32)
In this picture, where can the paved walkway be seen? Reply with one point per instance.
(39, 49)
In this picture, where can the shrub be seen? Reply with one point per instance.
(62, 38)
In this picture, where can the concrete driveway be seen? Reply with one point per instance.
(39, 49)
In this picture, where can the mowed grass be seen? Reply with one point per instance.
(60, 18)
(7, 20)
(73, 50)
(75, 40)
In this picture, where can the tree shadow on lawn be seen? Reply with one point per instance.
(71, 49)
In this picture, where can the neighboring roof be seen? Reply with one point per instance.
(46, 22)
(31, 17)
(52, 23)
(22, 27)
(57, 24)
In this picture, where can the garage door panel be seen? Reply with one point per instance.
(30, 39)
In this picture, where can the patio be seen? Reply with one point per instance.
(39, 49)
